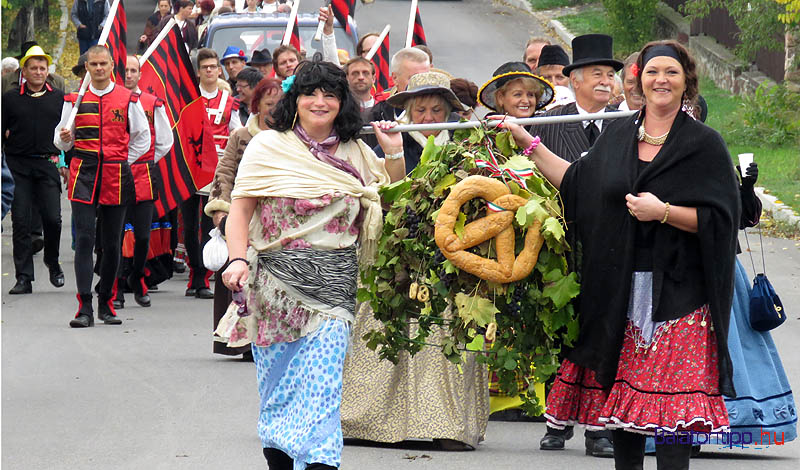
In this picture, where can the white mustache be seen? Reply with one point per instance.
(602, 88)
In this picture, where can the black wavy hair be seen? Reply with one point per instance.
(310, 76)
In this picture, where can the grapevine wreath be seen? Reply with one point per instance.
(481, 200)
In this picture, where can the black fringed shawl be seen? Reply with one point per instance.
(692, 169)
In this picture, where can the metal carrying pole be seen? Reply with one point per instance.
(442, 126)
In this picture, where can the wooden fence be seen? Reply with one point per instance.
(720, 26)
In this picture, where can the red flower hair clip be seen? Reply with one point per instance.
(635, 70)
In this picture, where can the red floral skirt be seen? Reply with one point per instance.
(672, 384)
(575, 398)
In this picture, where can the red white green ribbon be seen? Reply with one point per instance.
(494, 167)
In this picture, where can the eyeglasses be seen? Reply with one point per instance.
(209, 67)
(241, 302)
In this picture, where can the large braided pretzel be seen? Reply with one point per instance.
(497, 225)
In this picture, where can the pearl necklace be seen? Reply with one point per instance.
(647, 138)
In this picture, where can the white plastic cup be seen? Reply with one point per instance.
(745, 159)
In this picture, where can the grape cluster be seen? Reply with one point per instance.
(448, 279)
(438, 258)
(513, 308)
(412, 222)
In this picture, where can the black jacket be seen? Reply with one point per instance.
(94, 23)
(692, 169)
(31, 122)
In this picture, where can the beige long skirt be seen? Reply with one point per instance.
(424, 397)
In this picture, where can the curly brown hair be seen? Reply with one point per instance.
(686, 61)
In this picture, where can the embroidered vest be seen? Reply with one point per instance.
(145, 171)
(101, 146)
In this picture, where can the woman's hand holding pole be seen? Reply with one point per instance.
(392, 144)
(551, 165)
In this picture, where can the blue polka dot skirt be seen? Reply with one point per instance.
(300, 384)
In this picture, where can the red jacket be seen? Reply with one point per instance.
(145, 171)
(219, 116)
(101, 147)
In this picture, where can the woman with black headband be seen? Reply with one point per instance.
(653, 211)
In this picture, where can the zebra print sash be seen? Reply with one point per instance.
(326, 276)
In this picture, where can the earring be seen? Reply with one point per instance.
(294, 121)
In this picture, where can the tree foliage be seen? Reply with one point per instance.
(758, 21)
(632, 22)
(792, 14)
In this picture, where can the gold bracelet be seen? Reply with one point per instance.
(666, 213)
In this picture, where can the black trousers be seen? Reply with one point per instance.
(112, 220)
(140, 215)
(37, 187)
(196, 225)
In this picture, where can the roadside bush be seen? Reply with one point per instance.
(770, 116)
(632, 22)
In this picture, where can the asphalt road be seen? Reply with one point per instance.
(149, 393)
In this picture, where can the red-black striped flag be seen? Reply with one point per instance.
(190, 164)
(294, 39)
(381, 61)
(117, 44)
(342, 9)
(418, 36)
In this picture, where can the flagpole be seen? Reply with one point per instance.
(378, 42)
(290, 25)
(112, 13)
(411, 17)
(161, 35)
(442, 126)
(318, 34)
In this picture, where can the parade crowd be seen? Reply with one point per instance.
(653, 200)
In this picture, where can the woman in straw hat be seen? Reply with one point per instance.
(427, 99)
(427, 396)
(515, 91)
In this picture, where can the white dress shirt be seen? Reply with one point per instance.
(233, 122)
(138, 126)
(163, 131)
(598, 123)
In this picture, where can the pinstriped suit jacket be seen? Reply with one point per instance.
(567, 140)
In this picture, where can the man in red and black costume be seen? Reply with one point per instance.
(223, 115)
(145, 175)
(109, 133)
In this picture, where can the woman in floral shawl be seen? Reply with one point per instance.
(308, 190)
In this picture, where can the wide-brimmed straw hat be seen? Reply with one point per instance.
(592, 49)
(427, 83)
(35, 51)
(504, 74)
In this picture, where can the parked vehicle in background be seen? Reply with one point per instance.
(255, 31)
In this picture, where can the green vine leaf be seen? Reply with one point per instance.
(563, 290)
(458, 228)
(473, 308)
(444, 183)
(552, 228)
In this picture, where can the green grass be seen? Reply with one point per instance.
(778, 167)
(593, 20)
(551, 4)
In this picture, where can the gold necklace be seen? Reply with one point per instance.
(647, 138)
(38, 93)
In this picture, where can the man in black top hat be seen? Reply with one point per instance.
(262, 60)
(591, 77)
(552, 61)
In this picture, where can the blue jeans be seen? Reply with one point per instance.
(85, 44)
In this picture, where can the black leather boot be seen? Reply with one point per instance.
(105, 310)
(628, 450)
(85, 316)
(673, 456)
(554, 438)
(139, 289)
(278, 460)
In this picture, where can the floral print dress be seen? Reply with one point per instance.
(277, 312)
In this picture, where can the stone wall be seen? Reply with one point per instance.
(714, 60)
